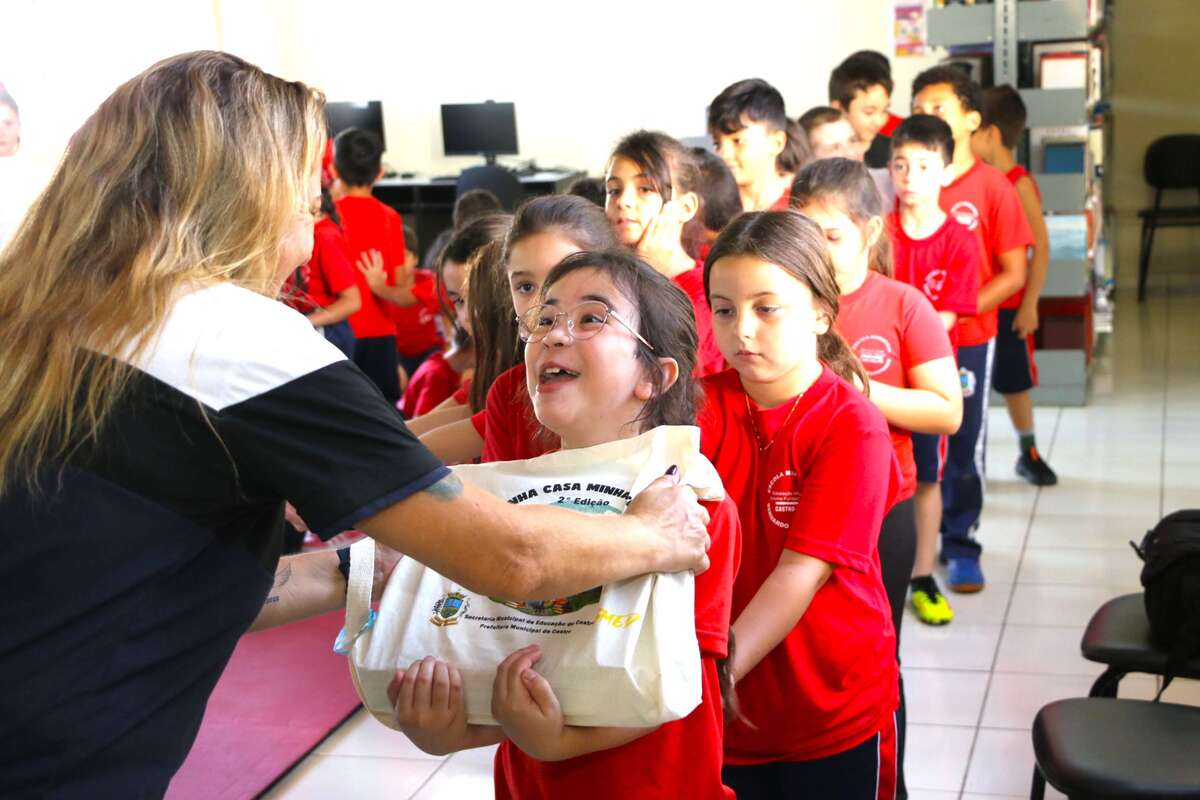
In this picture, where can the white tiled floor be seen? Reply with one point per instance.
(1053, 556)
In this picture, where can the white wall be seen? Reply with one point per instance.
(581, 74)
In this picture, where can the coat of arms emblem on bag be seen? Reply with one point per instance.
(449, 608)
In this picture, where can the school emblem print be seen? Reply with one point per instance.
(966, 214)
(875, 353)
(783, 496)
(448, 609)
(935, 280)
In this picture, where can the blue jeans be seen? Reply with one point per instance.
(963, 479)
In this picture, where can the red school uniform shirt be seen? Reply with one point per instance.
(1015, 174)
(822, 489)
(416, 325)
(709, 359)
(944, 266)
(511, 431)
(369, 224)
(892, 328)
(327, 274)
(680, 759)
(432, 383)
(983, 201)
(892, 123)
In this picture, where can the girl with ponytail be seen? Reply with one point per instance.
(808, 460)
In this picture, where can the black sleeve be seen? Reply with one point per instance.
(329, 443)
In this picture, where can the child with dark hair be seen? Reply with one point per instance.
(763, 149)
(935, 254)
(652, 184)
(720, 202)
(902, 346)
(474, 203)
(610, 352)
(433, 255)
(861, 86)
(369, 225)
(324, 289)
(417, 333)
(830, 134)
(893, 120)
(810, 464)
(980, 198)
(589, 188)
(1015, 373)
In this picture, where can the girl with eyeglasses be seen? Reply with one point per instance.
(609, 354)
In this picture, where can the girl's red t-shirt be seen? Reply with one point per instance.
(892, 328)
(510, 430)
(821, 488)
(709, 360)
(431, 384)
(681, 759)
(416, 325)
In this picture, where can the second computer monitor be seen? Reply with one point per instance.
(366, 115)
(479, 128)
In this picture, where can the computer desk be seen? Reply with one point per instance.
(426, 202)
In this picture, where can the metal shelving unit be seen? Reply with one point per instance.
(1003, 26)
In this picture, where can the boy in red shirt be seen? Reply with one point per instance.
(932, 252)
(1015, 373)
(980, 198)
(763, 149)
(861, 87)
(417, 334)
(369, 225)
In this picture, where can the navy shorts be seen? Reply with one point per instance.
(1015, 370)
(929, 453)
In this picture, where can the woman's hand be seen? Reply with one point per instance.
(430, 709)
(526, 708)
(370, 264)
(672, 514)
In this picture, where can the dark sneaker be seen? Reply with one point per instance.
(964, 575)
(1032, 468)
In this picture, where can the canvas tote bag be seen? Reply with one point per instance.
(624, 654)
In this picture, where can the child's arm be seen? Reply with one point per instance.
(1007, 280)
(933, 404)
(430, 709)
(1027, 315)
(370, 263)
(528, 712)
(776, 608)
(442, 415)
(348, 302)
(458, 443)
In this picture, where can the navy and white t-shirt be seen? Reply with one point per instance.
(130, 577)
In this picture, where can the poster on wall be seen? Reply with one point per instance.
(910, 29)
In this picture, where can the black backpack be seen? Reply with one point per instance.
(1171, 578)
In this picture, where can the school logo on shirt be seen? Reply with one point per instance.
(935, 280)
(783, 495)
(449, 608)
(966, 214)
(875, 353)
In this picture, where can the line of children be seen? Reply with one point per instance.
(764, 149)
(623, 364)
(903, 348)
(811, 466)
(651, 188)
(981, 199)
(1015, 373)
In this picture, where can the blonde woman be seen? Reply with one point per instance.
(157, 409)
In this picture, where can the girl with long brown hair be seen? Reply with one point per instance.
(158, 408)
(808, 461)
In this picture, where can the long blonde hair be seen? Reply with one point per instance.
(189, 174)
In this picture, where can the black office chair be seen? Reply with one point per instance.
(1118, 636)
(497, 180)
(1172, 162)
(1104, 749)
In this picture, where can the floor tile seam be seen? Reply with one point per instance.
(432, 775)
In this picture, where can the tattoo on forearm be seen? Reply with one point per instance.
(448, 488)
(283, 575)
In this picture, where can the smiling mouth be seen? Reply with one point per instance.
(553, 375)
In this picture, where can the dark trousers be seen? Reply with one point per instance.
(376, 357)
(897, 552)
(962, 481)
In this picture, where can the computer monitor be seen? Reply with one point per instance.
(366, 115)
(471, 128)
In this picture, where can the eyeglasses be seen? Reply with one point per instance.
(583, 322)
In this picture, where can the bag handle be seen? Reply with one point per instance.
(359, 615)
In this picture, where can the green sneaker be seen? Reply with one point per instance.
(929, 603)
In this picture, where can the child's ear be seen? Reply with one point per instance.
(972, 120)
(379, 176)
(874, 231)
(687, 204)
(778, 140)
(822, 325)
(838, 105)
(644, 390)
